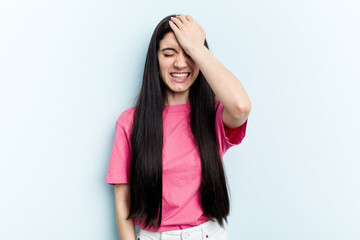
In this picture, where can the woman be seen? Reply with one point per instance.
(166, 162)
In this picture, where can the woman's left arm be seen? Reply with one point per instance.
(226, 86)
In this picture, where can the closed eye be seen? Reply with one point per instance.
(167, 55)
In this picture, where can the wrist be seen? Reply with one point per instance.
(199, 52)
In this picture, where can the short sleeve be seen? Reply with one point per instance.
(227, 137)
(119, 165)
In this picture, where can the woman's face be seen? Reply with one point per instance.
(177, 69)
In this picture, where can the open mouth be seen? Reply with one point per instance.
(180, 75)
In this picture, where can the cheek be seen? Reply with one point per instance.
(195, 67)
(164, 67)
(196, 71)
(162, 70)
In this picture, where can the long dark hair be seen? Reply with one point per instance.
(147, 143)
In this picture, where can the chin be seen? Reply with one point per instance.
(179, 90)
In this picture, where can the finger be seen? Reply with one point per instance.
(190, 18)
(201, 29)
(173, 26)
(183, 19)
(177, 22)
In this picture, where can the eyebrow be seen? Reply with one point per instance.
(172, 49)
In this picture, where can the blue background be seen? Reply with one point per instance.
(69, 68)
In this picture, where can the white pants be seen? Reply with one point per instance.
(209, 230)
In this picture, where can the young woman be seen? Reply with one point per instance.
(166, 162)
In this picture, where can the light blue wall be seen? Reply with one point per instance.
(69, 68)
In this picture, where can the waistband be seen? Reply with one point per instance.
(210, 224)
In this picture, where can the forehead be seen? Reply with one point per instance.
(169, 40)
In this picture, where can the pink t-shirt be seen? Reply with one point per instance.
(181, 207)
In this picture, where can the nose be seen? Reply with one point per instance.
(180, 61)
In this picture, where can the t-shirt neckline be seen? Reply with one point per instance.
(177, 108)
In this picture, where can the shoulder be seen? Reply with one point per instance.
(126, 117)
